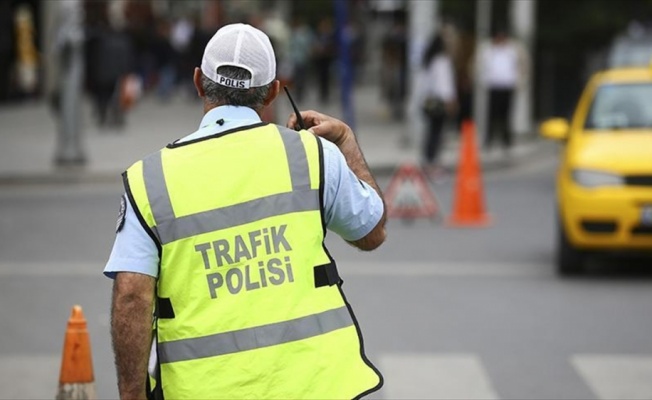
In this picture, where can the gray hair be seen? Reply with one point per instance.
(223, 95)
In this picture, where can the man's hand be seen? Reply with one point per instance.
(331, 129)
(131, 331)
(339, 133)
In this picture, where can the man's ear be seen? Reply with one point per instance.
(196, 79)
(273, 92)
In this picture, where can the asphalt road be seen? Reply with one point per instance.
(476, 313)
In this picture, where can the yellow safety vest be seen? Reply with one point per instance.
(250, 303)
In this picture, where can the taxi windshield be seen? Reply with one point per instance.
(621, 106)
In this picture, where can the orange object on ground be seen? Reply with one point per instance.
(468, 206)
(409, 195)
(76, 380)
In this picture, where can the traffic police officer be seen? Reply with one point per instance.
(221, 234)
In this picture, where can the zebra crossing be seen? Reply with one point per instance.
(465, 376)
(462, 376)
(616, 376)
(419, 376)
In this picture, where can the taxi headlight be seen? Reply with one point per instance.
(591, 178)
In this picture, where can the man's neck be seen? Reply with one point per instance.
(210, 106)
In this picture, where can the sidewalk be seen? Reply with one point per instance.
(29, 135)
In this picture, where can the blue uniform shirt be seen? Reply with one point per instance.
(351, 209)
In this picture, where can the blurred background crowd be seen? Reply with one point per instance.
(150, 47)
(155, 45)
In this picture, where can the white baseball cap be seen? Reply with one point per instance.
(243, 46)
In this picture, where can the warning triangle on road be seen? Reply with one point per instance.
(409, 195)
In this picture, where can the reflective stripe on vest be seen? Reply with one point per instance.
(255, 338)
(170, 229)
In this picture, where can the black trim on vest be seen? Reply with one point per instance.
(150, 233)
(149, 394)
(176, 143)
(164, 308)
(362, 353)
(157, 392)
(322, 175)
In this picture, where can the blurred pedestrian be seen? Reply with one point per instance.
(194, 56)
(355, 36)
(301, 45)
(394, 71)
(181, 36)
(109, 59)
(463, 65)
(27, 55)
(325, 51)
(222, 234)
(502, 69)
(165, 57)
(278, 31)
(7, 49)
(142, 30)
(439, 102)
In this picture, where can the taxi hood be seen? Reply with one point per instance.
(625, 152)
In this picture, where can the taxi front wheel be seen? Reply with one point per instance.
(570, 261)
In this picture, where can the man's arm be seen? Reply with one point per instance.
(343, 137)
(131, 331)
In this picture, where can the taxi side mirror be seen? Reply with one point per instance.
(555, 128)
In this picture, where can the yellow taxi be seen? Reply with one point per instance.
(604, 182)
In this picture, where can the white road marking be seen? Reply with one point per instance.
(56, 268)
(614, 377)
(346, 268)
(29, 377)
(442, 268)
(421, 376)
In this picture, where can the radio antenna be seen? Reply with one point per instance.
(296, 110)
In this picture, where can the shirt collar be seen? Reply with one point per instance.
(232, 114)
(229, 117)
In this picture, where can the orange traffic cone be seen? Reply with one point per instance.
(468, 207)
(76, 381)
